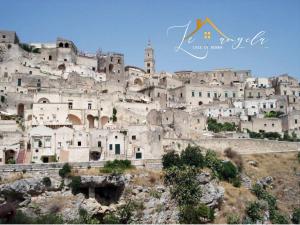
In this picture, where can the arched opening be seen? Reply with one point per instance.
(104, 120)
(20, 110)
(74, 119)
(95, 155)
(29, 117)
(66, 45)
(138, 81)
(50, 57)
(62, 67)
(91, 121)
(200, 103)
(61, 45)
(110, 68)
(43, 100)
(10, 157)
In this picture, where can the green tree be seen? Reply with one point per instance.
(192, 156)
(65, 170)
(75, 184)
(184, 185)
(171, 159)
(228, 170)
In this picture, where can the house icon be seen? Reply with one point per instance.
(206, 34)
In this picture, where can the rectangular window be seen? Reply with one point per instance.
(19, 82)
(79, 143)
(296, 121)
(89, 105)
(133, 137)
(272, 106)
(99, 144)
(208, 94)
(200, 94)
(193, 94)
(233, 94)
(110, 146)
(215, 94)
(117, 149)
(70, 105)
(138, 155)
(226, 95)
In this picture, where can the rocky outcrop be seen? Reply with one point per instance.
(23, 188)
(265, 181)
(102, 194)
(99, 181)
(212, 194)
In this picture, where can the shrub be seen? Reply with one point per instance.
(273, 114)
(116, 166)
(296, 216)
(212, 162)
(236, 182)
(213, 125)
(111, 218)
(171, 159)
(49, 219)
(125, 212)
(84, 218)
(192, 156)
(195, 215)
(233, 219)
(46, 181)
(65, 170)
(277, 218)
(11, 161)
(235, 157)
(21, 218)
(184, 185)
(264, 195)
(75, 184)
(228, 170)
(255, 211)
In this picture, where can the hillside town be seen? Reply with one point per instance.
(59, 104)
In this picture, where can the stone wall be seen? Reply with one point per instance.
(146, 163)
(243, 146)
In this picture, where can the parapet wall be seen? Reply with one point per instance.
(146, 163)
(243, 146)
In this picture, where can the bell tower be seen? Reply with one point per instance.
(149, 59)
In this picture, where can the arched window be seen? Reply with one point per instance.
(61, 45)
(66, 45)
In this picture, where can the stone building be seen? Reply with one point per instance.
(58, 103)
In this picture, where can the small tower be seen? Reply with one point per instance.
(149, 59)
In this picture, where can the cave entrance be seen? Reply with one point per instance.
(108, 194)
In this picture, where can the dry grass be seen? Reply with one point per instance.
(283, 167)
(13, 177)
(147, 178)
(235, 201)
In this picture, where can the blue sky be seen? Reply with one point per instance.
(126, 26)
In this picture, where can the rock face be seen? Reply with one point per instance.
(105, 193)
(99, 181)
(23, 188)
(212, 194)
(265, 181)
